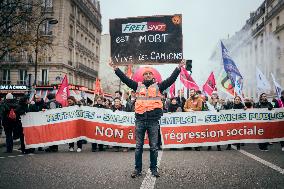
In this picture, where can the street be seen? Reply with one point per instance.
(247, 168)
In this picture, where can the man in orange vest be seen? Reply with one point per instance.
(148, 111)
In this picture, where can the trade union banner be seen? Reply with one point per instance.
(146, 40)
(178, 130)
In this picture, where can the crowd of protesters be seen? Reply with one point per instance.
(12, 109)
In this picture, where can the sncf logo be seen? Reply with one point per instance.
(156, 26)
(143, 27)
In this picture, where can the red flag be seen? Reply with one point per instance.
(187, 80)
(173, 90)
(210, 85)
(129, 71)
(98, 89)
(63, 92)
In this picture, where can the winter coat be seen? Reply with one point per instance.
(5, 110)
(38, 106)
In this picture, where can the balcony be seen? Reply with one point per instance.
(257, 29)
(279, 28)
(42, 83)
(15, 61)
(275, 9)
(46, 33)
(70, 42)
(47, 9)
(21, 82)
(89, 14)
(81, 48)
(5, 82)
(86, 70)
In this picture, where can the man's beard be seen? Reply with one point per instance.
(147, 83)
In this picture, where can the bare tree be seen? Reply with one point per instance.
(18, 22)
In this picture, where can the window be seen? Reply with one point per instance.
(277, 21)
(71, 31)
(44, 76)
(70, 78)
(47, 28)
(270, 27)
(47, 3)
(25, 26)
(6, 77)
(79, 16)
(278, 50)
(23, 74)
(24, 55)
(72, 9)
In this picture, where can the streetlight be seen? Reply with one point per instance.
(50, 21)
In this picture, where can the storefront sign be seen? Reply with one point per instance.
(13, 87)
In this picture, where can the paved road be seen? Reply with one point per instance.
(178, 168)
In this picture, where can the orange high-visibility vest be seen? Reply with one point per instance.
(148, 99)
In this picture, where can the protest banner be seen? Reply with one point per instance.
(178, 130)
(146, 40)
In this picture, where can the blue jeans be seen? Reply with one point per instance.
(152, 128)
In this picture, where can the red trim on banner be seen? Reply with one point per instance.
(223, 132)
(74, 129)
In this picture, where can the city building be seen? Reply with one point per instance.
(75, 50)
(109, 81)
(259, 44)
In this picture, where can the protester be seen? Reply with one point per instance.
(9, 120)
(118, 94)
(98, 104)
(263, 103)
(72, 102)
(107, 104)
(248, 103)
(37, 106)
(216, 104)
(22, 109)
(148, 111)
(130, 104)
(166, 102)
(237, 105)
(193, 103)
(174, 106)
(52, 104)
(180, 99)
(228, 104)
(117, 106)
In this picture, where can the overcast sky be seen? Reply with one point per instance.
(205, 23)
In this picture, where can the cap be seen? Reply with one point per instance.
(147, 69)
(9, 96)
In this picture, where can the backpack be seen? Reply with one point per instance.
(12, 114)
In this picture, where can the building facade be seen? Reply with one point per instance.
(75, 50)
(260, 44)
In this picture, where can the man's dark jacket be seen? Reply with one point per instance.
(157, 113)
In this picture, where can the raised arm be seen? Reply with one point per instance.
(169, 81)
(129, 82)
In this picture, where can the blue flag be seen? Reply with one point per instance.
(230, 66)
